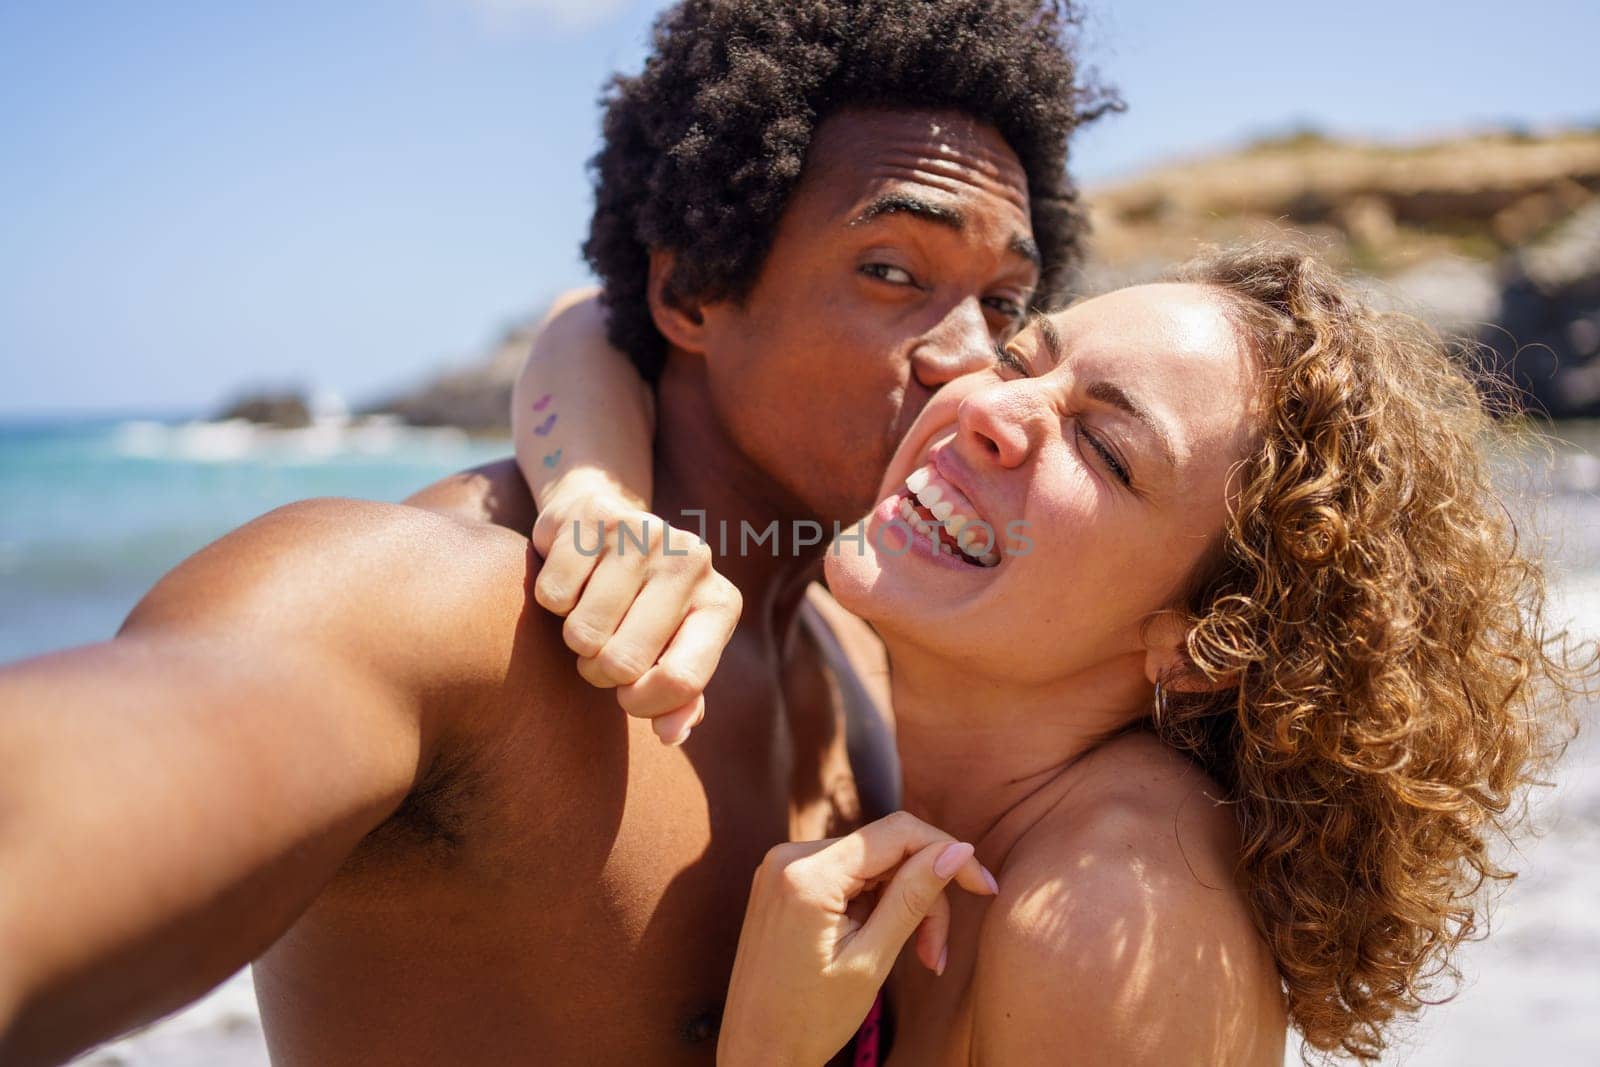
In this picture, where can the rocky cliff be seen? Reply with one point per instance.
(1494, 237)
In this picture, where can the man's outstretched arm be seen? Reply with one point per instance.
(171, 800)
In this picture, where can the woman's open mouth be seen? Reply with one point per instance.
(937, 510)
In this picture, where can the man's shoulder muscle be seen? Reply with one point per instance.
(363, 578)
(494, 494)
(433, 609)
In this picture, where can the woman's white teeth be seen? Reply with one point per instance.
(941, 510)
(918, 480)
(986, 555)
(930, 495)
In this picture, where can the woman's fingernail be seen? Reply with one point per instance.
(680, 737)
(951, 859)
(994, 886)
(944, 958)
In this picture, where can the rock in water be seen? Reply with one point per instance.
(288, 409)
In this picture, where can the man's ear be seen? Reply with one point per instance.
(1166, 657)
(682, 325)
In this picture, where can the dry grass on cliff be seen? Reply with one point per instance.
(1376, 207)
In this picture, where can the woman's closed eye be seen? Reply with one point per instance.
(1007, 359)
(1117, 468)
(1004, 357)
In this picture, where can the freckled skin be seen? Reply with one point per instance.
(571, 891)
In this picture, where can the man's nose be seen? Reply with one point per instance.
(959, 344)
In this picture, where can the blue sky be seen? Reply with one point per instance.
(196, 196)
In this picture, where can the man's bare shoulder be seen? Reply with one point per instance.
(432, 608)
(340, 565)
(1121, 921)
(494, 494)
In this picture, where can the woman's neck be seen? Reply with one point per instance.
(974, 748)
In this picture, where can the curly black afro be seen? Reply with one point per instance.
(704, 146)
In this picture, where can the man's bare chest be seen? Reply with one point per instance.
(593, 919)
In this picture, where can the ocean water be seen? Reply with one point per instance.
(93, 512)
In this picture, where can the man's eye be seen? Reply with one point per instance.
(1009, 308)
(888, 273)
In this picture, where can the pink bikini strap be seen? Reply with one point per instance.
(867, 1036)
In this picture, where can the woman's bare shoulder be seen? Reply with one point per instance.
(1122, 929)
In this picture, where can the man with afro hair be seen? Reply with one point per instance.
(705, 146)
(343, 742)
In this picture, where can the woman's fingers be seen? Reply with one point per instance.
(932, 939)
(879, 847)
(914, 903)
(605, 600)
(673, 727)
(685, 668)
(564, 572)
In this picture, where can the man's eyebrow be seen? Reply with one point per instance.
(1025, 246)
(906, 204)
(940, 215)
(1111, 393)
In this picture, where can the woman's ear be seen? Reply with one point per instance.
(1166, 656)
(682, 325)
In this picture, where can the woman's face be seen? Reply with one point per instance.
(1098, 452)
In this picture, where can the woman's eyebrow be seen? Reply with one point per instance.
(1111, 393)
(1038, 320)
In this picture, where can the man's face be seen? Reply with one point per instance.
(904, 255)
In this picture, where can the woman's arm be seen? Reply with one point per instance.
(650, 621)
(581, 417)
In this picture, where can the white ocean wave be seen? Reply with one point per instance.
(239, 440)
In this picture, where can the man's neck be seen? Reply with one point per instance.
(704, 482)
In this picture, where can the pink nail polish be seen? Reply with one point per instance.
(682, 736)
(944, 958)
(994, 886)
(951, 859)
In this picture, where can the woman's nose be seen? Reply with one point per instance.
(995, 424)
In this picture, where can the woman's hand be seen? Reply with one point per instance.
(651, 622)
(822, 931)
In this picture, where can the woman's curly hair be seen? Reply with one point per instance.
(1393, 683)
(703, 148)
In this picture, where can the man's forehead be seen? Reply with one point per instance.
(943, 156)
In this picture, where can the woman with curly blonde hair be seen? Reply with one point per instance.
(1210, 636)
